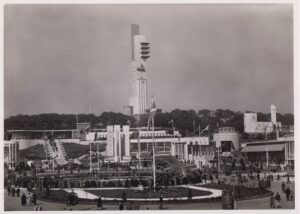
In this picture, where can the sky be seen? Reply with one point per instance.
(237, 57)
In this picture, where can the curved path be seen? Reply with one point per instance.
(81, 193)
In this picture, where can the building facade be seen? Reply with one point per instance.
(125, 143)
(11, 153)
(252, 126)
(274, 152)
(227, 139)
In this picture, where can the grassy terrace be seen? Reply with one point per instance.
(172, 192)
(74, 150)
(36, 152)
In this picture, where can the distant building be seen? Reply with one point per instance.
(140, 53)
(11, 153)
(252, 126)
(278, 151)
(28, 138)
(227, 139)
(125, 143)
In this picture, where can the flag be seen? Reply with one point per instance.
(153, 108)
(152, 111)
(206, 129)
(199, 129)
(194, 124)
(173, 127)
(100, 124)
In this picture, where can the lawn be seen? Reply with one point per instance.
(241, 192)
(172, 192)
(74, 150)
(36, 152)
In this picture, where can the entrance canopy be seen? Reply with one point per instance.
(263, 148)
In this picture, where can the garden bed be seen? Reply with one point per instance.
(173, 192)
(241, 192)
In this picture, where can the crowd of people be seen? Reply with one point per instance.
(27, 199)
(275, 201)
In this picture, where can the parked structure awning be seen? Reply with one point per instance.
(263, 148)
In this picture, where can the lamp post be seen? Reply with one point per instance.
(233, 195)
(267, 149)
(90, 157)
(218, 151)
(98, 157)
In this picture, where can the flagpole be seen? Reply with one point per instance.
(218, 152)
(267, 151)
(194, 142)
(199, 140)
(139, 148)
(90, 157)
(173, 127)
(153, 148)
(98, 156)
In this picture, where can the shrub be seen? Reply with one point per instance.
(124, 196)
(189, 194)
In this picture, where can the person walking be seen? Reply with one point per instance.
(23, 200)
(272, 201)
(34, 197)
(278, 200)
(161, 202)
(205, 178)
(292, 196)
(283, 186)
(287, 193)
(13, 191)
(121, 207)
(8, 189)
(29, 199)
(18, 191)
(99, 203)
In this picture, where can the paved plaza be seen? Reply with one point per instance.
(14, 203)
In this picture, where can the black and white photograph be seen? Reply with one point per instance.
(184, 106)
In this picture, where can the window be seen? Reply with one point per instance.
(134, 147)
(143, 147)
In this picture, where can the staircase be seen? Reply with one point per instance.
(61, 157)
(48, 149)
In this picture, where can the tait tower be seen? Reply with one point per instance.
(139, 55)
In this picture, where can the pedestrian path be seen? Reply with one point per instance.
(82, 193)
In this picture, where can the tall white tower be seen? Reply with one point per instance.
(273, 115)
(139, 55)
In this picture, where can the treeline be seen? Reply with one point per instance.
(186, 121)
(63, 121)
